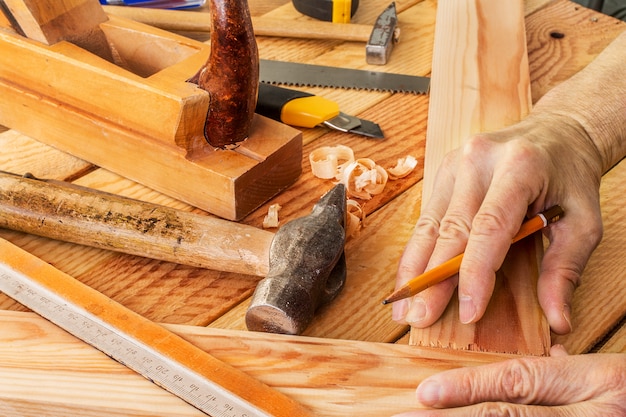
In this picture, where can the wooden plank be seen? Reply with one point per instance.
(585, 34)
(617, 343)
(486, 39)
(46, 371)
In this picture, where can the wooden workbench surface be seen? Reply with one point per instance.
(176, 294)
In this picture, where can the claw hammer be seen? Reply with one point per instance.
(303, 262)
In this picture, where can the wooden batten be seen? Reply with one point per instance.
(480, 82)
(333, 378)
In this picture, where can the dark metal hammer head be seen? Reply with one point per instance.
(306, 269)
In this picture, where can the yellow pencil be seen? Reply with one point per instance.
(451, 267)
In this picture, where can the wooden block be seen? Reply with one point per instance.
(139, 117)
(46, 371)
(481, 82)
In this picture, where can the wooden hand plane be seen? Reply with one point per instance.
(115, 93)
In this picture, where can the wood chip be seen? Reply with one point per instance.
(271, 220)
(328, 162)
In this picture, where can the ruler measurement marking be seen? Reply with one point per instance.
(176, 378)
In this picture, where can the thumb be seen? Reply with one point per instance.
(558, 350)
(572, 240)
(546, 381)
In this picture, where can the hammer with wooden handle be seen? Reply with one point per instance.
(302, 262)
(185, 21)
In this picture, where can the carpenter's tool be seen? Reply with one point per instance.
(149, 349)
(336, 11)
(231, 74)
(181, 21)
(298, 108)
(375, 36)
(109, 90)
(292, 73)
(81, 215)
(307, 268)
(385, 34)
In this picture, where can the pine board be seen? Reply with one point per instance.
(481, 82)
(45, 371)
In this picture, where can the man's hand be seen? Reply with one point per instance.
(484, 190)
(561, 385)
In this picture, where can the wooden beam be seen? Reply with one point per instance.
(44, 370)
(480, 82)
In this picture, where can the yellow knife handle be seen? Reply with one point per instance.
(293, 107)
(308, 111)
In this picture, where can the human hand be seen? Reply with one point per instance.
(483, 191)
(561, 385)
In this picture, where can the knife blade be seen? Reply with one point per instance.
(293, 73)
(302, 109)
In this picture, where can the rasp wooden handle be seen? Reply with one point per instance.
(107, 221)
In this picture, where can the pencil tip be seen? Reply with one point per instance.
(385, 302)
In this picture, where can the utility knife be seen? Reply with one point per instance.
(302, 109)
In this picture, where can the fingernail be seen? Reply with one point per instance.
(429, 392)
(417, 311)
(467, 309)
(400, 308)
(567, 315)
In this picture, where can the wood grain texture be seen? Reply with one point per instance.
(480, 77)
(51, 22)
(45, 370)
(554, 59)
(617, 342)
(481, 82)
(107, 221)
(175, 294)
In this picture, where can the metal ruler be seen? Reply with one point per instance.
(143, 346)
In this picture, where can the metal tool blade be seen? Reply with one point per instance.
(291, 73)
(351, 124)
(384, 35)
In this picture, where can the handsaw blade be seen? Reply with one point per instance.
(297, 74)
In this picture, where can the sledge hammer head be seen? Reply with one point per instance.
(307, 268)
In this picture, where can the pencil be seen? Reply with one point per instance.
(451, 267)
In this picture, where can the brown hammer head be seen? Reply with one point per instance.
(307, 268)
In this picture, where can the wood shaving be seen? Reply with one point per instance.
(355, 218)
(271, 220)
(364, 178)
(329, 162)
(403, 167)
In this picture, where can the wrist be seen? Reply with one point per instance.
(594, 100)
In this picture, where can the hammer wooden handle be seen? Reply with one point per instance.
(107, 221)
(185, 21)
